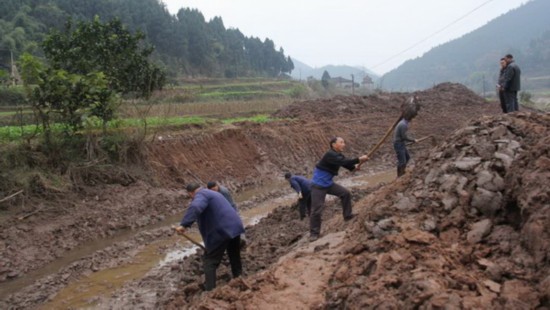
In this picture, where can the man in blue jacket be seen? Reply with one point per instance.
(220, 227)
(323, 184)
(302, 186)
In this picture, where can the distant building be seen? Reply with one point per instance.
(367, 82)
(343, 83)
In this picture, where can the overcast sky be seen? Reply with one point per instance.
(377, 34)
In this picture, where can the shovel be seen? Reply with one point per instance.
(195, 242)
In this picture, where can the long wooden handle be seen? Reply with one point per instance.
(195, 242)
(384, 138)
(422, 139)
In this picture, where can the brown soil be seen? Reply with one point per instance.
(467, 227)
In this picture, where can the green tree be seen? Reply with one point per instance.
(68, 97)
(109, 48)
(325, 79)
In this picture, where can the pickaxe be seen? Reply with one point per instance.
(409, 110)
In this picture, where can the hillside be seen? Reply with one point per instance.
(473, 59)
(185, 43)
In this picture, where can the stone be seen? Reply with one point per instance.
(418, 236)
(448, 182)
(490, 181)
(429, 224)
(431, 176)
(406, 204)
(491, 285)
(467, 163)
(449, 202)
(505, 159)
(479, 230)
(487, 202)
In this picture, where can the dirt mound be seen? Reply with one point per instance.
(468, 228)
(438, 97)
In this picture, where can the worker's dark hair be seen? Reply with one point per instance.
(509, 56)
(332, 141)
(211, 184)
(503, 58)
(191, 187)
(288, 175)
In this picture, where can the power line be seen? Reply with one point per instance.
(432, 35)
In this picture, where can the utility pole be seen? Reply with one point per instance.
(483, 86)
(12, 77)
(352, 85)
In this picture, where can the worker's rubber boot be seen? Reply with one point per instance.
(400, 171)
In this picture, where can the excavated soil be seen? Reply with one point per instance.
(467, 227)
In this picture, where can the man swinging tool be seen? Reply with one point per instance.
(400, 138)
(409, 110)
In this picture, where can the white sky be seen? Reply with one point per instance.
(354, 32)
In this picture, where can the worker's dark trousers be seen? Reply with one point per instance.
(402, 157)
(511, 98)
(502, 99)
(318, 195)
(304, 204)
(213, 258)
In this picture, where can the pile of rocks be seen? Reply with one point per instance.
(467, 228)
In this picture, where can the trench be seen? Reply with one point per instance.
(86, 291)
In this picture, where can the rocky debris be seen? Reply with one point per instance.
(486, 188)
(472, 236)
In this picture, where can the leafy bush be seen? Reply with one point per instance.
(298, 91)
(12, 96)
(525, 96)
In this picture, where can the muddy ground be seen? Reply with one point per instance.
(426, 240)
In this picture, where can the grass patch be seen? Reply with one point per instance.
(239, 95)
(261, 118)
(14, 133)
(11, 113)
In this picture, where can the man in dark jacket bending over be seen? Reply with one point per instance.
(322, 184)
(220, 227)
(302, 186)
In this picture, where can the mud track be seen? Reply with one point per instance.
(251, 155)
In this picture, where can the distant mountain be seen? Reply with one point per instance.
(473, 58)
(303, 71)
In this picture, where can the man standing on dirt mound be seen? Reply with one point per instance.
(220, 227)
(322, 184)
(512, 85)
(302, 186)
